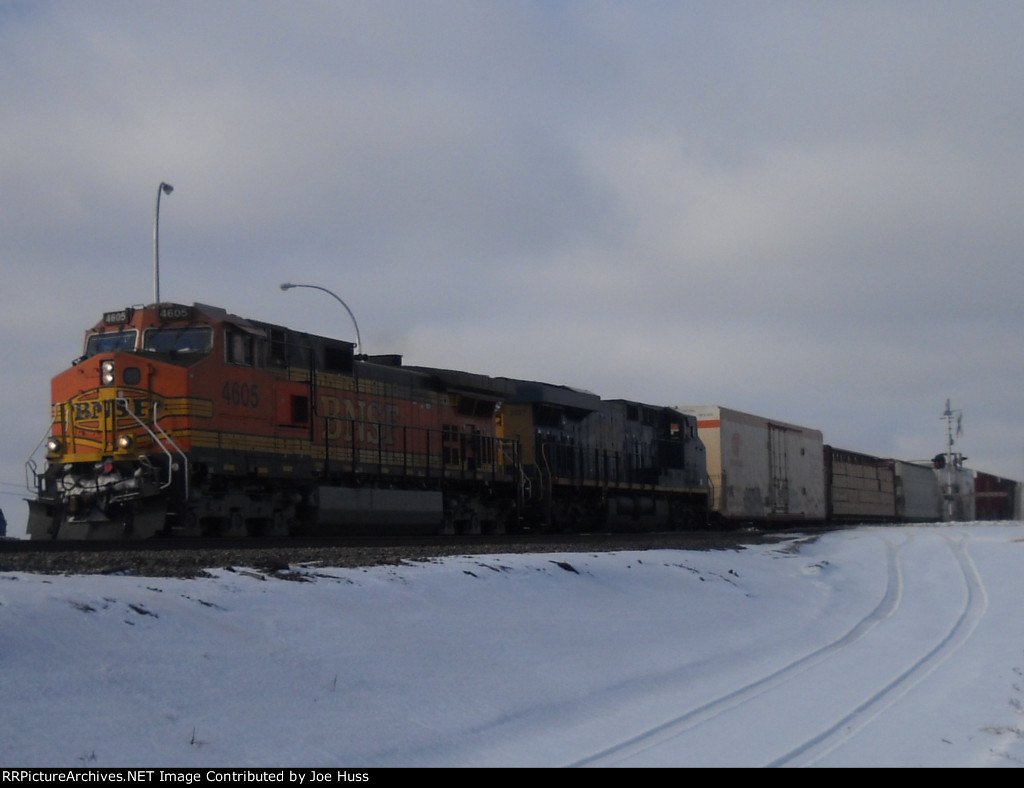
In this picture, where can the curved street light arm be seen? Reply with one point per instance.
(163, 188)
(359, 341)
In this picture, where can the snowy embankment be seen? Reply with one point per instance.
(899, 646)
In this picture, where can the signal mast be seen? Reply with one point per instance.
(952, 462)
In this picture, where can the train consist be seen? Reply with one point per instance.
(189, 420)
(764, 471)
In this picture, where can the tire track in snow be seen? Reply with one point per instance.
(702, 714)
(974, 609)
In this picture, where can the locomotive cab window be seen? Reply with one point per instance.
(187, 339)
(110, 342)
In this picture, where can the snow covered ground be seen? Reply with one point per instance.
(899, 646)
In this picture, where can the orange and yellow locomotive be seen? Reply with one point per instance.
(190, 420)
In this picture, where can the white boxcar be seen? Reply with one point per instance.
(917, 493)
(759, 468)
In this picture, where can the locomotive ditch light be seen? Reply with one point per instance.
(107, 373)
(125, 442)
(53, 445)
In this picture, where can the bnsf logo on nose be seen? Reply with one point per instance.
(93, 410)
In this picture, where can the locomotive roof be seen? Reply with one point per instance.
(554, 394)
(470, 382)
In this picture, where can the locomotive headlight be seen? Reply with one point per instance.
(107, 372)
(53, 445)
(125, 442)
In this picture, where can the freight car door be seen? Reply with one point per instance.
(778, 470)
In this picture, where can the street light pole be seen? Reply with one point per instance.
(359, 341)
(164, 188)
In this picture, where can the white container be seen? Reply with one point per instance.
(760, 468)
(917, 493)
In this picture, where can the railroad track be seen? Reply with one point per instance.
(190, 557)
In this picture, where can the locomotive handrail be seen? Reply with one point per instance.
(30, 463)
(475, 457)
(510, 448)
(184, 457)
(157, 440)
(510, 452)
(544, 476)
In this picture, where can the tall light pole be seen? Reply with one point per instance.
(164, 188)
(359, 341)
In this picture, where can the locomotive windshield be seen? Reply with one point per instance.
(189, 339)
(110, 342)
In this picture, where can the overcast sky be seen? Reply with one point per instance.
(810, 211)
